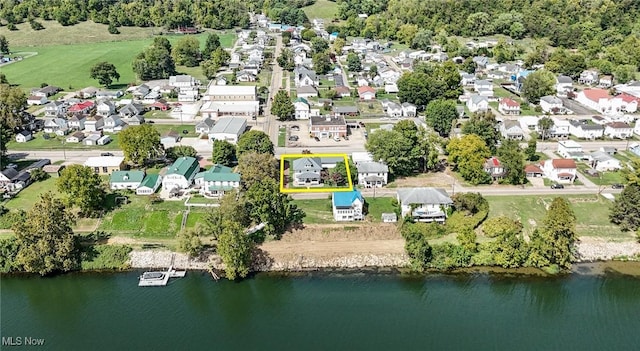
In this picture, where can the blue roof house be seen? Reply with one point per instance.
(348, 206)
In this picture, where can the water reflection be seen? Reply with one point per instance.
(548, 295)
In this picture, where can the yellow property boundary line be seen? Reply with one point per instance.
(314, 190)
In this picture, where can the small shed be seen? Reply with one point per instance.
(389, 217)
(53, 169)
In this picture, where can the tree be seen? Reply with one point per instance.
(509, 250)
(283, 107)
(545, 124)
(500, 225)
(45, 239)
(3, 78)
(4, 45)
(175, 152)
(255, 166)
(37, 175)
(220, 57)
(538, 84)
(483, 124)
(211, 44)
(190, 243)
(552, 245)
(83, 188)
(512, 160)
(235, 248)
(13, 102)
(155, 62)
(428, 149)
(416, 244)
(429, 82)
(625, 73)
(254, 141)
(233, 208)
(530, 151)
(625, 211)
(105, 73)
(408, 129)
(224, 153)
(353, 62)
(394, 149)
(9, 248)
(210, 68)
(186, 51)
(319, 45)
(440, 115)
(422, 39)
(321, 63)
(341, 169)
(468, 155)
(285, 60)
(140, 143)
(269, 206)
(338, 44)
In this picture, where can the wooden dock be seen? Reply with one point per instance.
(159, 278)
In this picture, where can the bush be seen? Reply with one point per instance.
(39, 175)
(105, 257)
(113, 29)
(8, 252)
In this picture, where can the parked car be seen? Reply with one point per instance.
(106, 154)
(617, 186)
(293, 138)
(317, 139)
(336, 138)
(295, 127)
(346, 137)
(557, 186)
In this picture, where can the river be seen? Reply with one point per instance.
(330, 311)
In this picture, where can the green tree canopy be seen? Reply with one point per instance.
(353, 62)
(321, 63)
(268, 205)
(552, 245)
(224, 153)
(538, 84)
(83, 188)
(105, 73)
(45, 239)
(235, 248)
(254, 141)
(155, 62)
(175, 152)
(283, 107)
(4, 45)
(483, 124)
(253, 167)
(395, 150)
(440, 115)
(468, 155)
(512, 159)
(140, 143)
(13, 102)
(211, 44)
(186, 51)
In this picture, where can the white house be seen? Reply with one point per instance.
(560, 170)
(23, 136)
(182, 81)
(560, 128)
(217, 180)
(508, 106)
(636, 128)
(94, 123)
(366, 93)
(424, 204)
(409, 109)
(125, 180)
(76, 122)
(149, 184)
(394, 110)
(602, 161)
(55, 109)
(306, 171)
(510, 129)
(305, 77)
(482, 85)
(106, 108)
(477, 103)
(372, 174)
(229, 129)
(585, 130)
(588, 77)
(181, 173)
(56, 125)
(36, 100)
(467, 78)
(204, 126)
(347, 206)
(76, 137)
(601, 101)
(550, 104)
(567, 148)
(564, 84)
(494, 168)
(302, 108)
(618, 130)
(113, 124)
(605, 82)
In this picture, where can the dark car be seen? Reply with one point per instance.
(106, 154)
(617, 186)
(317, 139)
(557, 186)
(293, 138)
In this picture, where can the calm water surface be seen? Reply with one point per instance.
(324, 312)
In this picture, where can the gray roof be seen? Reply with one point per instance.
(322, 121)
(207, 122)
(232, 125)
(307, 164)
(601, 156)
(565, 79)
(551, 99)
(509, 123)
(424, 196)
(307, 89)
(476, 99)
(372, 167)
(10, 173)
(586, 126)
(345, 109)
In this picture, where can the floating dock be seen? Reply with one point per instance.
(159, 278)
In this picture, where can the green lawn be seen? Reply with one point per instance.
(163, 128)
(322, 9)
(56, 143)
(377, 206)
(25, 199)
(317, 210)
(68, 66)
(592, 213)
(604, 178)
(282, 137)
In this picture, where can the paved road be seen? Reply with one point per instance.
(269, 121)
(586, 145)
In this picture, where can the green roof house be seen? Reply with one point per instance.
(125, 179)
(180, 174)
(216, 180)
(149, 184)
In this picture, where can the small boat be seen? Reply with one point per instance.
(159, 278)
(152, 276)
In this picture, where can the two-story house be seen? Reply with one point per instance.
(585, 130)
(181, 173)
(424, 204)
(494, 168)
(55, 109)
(508, 106)
(306, 171)
(510, 129)
(569, 149)
(347, 206)
(328, 127)
(106, 108)
(302, 108)
(372, 174)
(304, 77)
(217, 180)
(409, 109)
(560, 170)
(618, 130)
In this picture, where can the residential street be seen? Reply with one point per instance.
(269, 122)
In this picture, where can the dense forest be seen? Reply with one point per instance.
(216, 14)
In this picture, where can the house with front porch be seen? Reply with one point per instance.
(602, 161)
(394, 110)
(302, 108)
(508, 106)
(76, 122)
(347, 206)
(149, 184)
(106, 108)
(569, 148)
(409, 109)
(494, 168)
(56, 125)
(510, 129)
(306, 171)
(585, 130)
(75, 138)
(372, 174)
(551, 104)
(55, 109)
(113, 124)
(217, 180)
(94, 123)
(477, 103)
(424, 204)
(181, 173)
(588, 77)
(204, 126)
(130, 180)
(366, 93)
(562, 170)
(618, 130)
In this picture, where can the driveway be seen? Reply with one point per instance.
(577, 108)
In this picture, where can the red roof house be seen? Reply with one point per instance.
(366, 92)
(82, 107)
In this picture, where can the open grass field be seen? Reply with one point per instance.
(319, 211)
(164, 128)
(322, 9)
(68, 66)
(25, 199)
(592, 213)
